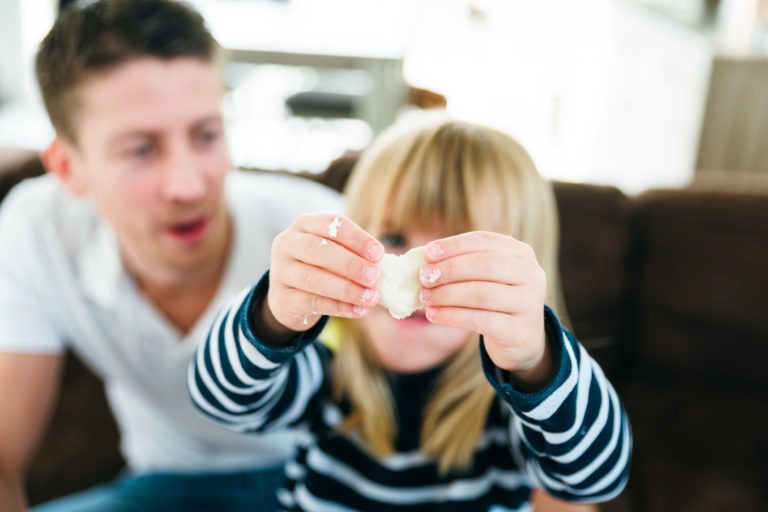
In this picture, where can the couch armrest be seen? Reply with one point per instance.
(80, 447)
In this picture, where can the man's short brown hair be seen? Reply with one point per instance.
(106, 34)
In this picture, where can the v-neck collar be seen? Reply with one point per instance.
(106, 281)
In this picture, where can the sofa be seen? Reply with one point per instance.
(667, 289)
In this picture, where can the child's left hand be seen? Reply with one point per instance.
(492, 284)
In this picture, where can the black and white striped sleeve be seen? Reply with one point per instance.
(574, 434)
(247, 385)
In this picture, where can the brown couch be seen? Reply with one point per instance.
(668, 290)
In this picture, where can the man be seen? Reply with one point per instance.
(125, 251)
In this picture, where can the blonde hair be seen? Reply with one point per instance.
(464, 177)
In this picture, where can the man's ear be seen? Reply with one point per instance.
(59, 158)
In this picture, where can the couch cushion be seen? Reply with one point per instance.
(80, 448)
(698, 446)
(594, 249)
(703, 284)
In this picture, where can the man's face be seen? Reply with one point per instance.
(152, 156)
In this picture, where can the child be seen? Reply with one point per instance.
(468, 403)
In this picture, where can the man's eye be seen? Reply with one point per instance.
(207, 136)
(393, 241)
(140, 152)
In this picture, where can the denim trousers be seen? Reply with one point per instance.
(253, 491)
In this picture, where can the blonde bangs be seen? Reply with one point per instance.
(446, 175)
(423, 195)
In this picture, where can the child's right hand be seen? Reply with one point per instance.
(323, 264)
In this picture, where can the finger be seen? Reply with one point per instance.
(488, 296)
(320, 282)
(340, 229)
(491, 324)
(481, 321)
(328, 255)
(474, 241)
(500, 267)
(301, 310)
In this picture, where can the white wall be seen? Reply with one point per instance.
(599, 91)
(23, 23)
(10, 50)
(23, 122)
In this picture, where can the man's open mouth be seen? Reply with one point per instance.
(188, 231)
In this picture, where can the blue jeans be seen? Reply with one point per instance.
(253, 491)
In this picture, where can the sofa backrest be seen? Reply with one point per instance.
(594, 248)
(702, 297)
(17, 165)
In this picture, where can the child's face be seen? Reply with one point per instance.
(412, 344)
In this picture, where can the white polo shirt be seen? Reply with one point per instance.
(62, 284)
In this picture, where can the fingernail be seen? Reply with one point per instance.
(367, 295)
(374, 251)
(431, 314)
(370, 274)
(358, 310)
(429, 274)
(424, 295)
(434, 250)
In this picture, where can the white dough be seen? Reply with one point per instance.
(399, 284)
(333, 227)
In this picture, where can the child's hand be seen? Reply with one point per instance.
(323, 264)
(491, 284)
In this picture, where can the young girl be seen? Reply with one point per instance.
(468, 403)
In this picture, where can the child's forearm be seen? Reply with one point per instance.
(238, 380)
(575, 430)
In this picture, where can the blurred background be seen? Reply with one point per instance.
(601, 91)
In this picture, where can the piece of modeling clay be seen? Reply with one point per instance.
(399, 284)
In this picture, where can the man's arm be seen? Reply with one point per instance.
(28, 389)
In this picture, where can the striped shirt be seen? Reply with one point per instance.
(572, 437)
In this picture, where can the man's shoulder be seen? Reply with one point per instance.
(42, 205)
(37, 196)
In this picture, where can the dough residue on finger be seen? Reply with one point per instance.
(333, 227)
